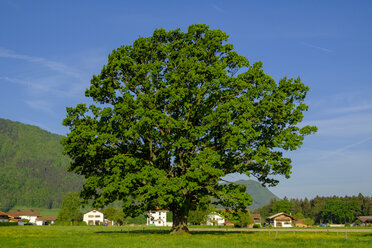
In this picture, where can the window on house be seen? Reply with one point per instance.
(97, 216)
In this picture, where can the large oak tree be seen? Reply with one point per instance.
(176, 112)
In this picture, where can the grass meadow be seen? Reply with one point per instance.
(98, 236)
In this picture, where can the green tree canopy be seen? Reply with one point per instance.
(116, 215)
(173, 114)
(338, 211)
(71, 206)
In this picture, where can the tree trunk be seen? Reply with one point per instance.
(180, 221)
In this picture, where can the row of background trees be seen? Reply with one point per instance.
(333, 209)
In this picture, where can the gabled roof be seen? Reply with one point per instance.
(41, 218)
(24, 212)
(94, 211)
(4, 214)
(282, 213)
(364, 218)
(299, 221)
(255, 216)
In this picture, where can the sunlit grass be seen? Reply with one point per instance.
(91, 236)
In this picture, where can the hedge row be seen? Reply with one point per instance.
(8, 223)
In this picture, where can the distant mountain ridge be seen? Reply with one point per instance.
(261, 195)
(33, 170)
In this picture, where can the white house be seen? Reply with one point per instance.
(215, 219)
(30, 215)
(41, 221)
(94, 217)
(158, 218)
(281, 220)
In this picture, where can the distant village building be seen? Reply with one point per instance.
(365, 220)
(158, 218)
(30, 215)
(256, 218)
(300, 223)
(4, 217)
(280, 220)
(42, 221)
(94, 217)
(215, 219)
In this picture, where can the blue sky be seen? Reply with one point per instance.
(49, 51)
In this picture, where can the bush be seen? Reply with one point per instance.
(256, 226)
(8, 223)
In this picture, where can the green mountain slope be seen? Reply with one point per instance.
(33, 170)
(32, 167)
(261, 195)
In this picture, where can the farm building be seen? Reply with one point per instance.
(4, 217)
(280, 220)
(94, 217)
(256, 218)
(30, 215)
(215, 219)
(365, 220)
(41, 221)
(158, 218)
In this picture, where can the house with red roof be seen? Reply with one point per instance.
(30, 215)
(42, 221)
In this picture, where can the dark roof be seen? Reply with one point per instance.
(24, 212)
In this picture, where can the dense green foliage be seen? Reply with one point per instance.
(32, 167)
(240, 218)
(71, 208)
(338, 211)
(116, 215)
(172, 116)
(335, 209)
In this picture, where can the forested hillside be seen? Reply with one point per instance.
(261, 195)
(33, 170)
(32, 167)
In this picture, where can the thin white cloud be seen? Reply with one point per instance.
(217, 8)
(46, 85)
(13, 4)
(317, 47)
(345, 110)
(351, 125)
(41, 105)
(53, 65)
(345, 148)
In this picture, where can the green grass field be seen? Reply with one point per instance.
(91, 236)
